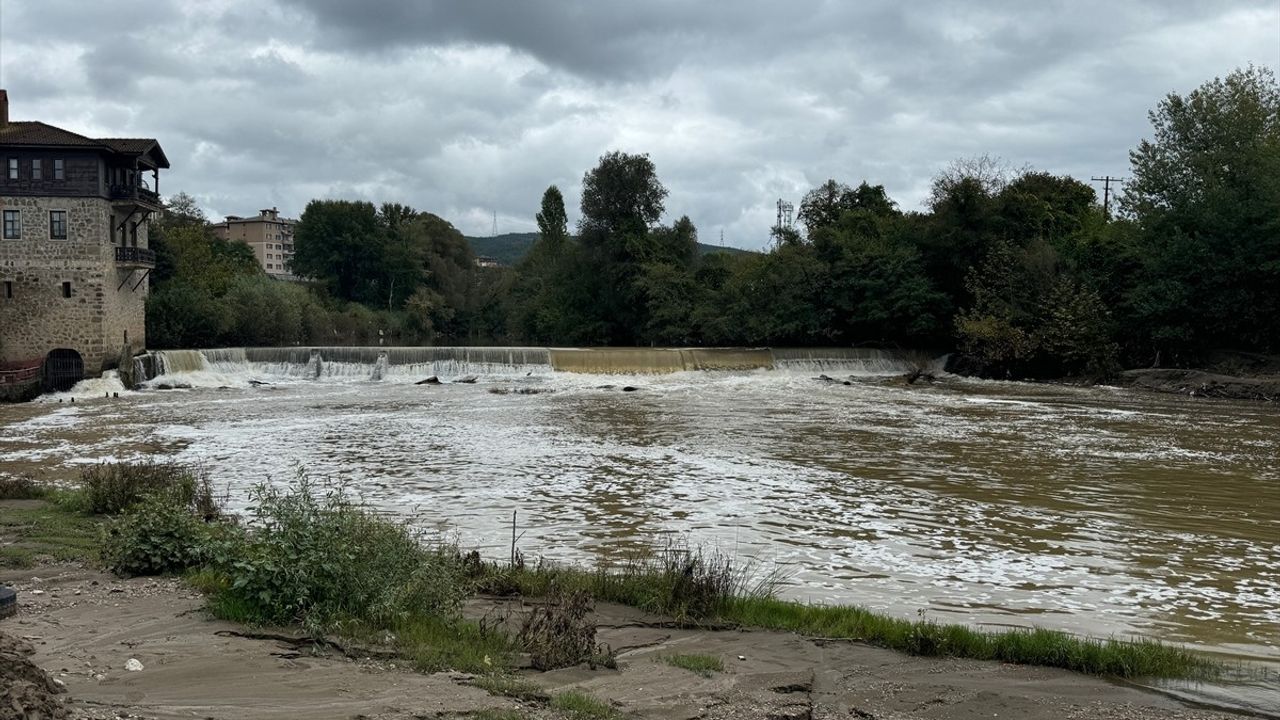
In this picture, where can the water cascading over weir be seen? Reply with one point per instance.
(380, 363)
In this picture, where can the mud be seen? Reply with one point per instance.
(84, 626)
(27, 692)
(1198, 383)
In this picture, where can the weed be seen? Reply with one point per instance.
(111, 488)
(21, 487)
(581, 706)
(512, 686)
(689, 585)
(703, 665)
(560, 632)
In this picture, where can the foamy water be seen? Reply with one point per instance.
(1096, 511)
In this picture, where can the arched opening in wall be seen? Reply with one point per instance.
(62, 369)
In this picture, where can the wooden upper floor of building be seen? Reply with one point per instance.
(37, 159)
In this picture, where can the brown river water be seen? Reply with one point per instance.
(1098, 511)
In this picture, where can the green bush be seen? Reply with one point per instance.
(315, 558)
(111, 488)
(155, 536)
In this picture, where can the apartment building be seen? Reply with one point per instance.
(270, 236)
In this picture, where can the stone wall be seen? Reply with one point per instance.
(38, 318)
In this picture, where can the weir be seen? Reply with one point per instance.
(381, 363)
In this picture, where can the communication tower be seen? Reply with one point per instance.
(784, 214)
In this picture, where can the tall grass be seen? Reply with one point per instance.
(111, 488)
(689, 585)
(696, 587)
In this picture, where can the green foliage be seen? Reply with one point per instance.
(317, 559)
(111, 488)
(185, 316)
(1205, 191)
(155, 536)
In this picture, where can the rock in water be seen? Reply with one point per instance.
(469, 380)
(433, 380)
(133, 665)
(630, 388)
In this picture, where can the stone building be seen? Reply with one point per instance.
(270, 236)
(73, 250)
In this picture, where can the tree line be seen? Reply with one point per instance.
(1018, 269)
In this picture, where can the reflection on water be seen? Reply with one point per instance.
(1096, 511)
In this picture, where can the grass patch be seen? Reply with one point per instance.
(46, 530)
(581, 706)
(512, 686)
(1136, 659)
(703, 665)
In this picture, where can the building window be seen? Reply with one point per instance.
(270, 266)
(57, 224)
(133, 235)
(58, 172)
(8, 289)
(37, 169)
(13, 168)
(12, 224)
(66, 289)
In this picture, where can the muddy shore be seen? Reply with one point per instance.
(85, 626)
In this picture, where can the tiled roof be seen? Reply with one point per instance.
(128, 145)
(38, 133)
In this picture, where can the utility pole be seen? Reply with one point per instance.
(1106, 181)
(494, 231)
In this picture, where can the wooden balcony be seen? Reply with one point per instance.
(135, 257)
(137, 195)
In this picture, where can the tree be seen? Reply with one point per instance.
(823, 205)
(553, 222)
(621, 197)
(340, 243)
(1205, 192)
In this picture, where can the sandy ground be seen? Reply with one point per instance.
(85, 626)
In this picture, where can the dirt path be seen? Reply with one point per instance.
(85, 626)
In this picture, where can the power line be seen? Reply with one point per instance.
(1106, 181)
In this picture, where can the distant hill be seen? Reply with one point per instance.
(508, 248)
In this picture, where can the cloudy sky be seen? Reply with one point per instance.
(471, 108)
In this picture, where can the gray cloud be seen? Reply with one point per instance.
(466, 109)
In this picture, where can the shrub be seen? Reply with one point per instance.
(111, 488)
(155, 536)
(21, 487)
(560, 633)
(315, 558)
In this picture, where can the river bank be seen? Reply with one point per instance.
(85, 626)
